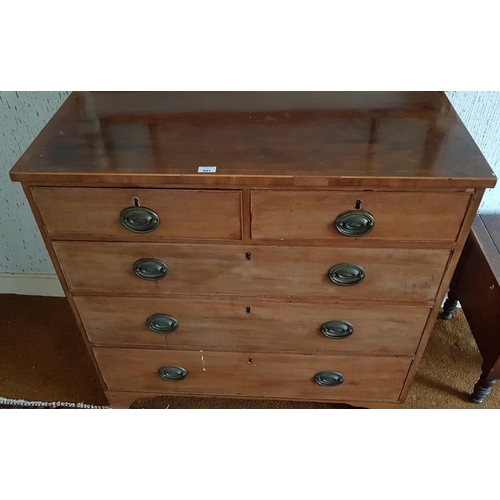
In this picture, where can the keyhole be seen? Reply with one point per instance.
(248, 310)
(248, 256)
(358, 205)
(136, 201)
(250, 360)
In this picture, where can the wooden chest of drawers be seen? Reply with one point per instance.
(293, 245)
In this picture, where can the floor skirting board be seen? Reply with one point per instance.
(46, 285)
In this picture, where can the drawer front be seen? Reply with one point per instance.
(250, 270)
(253, 374)
(252, 323)
(97, 213)
(311, 215)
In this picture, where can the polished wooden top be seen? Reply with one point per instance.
(492, 224)
(322, 139)
(485, 238)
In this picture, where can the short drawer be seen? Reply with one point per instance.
(340, 215)
(160, 214)
(252, 323)
(388, 274)
(253, 374)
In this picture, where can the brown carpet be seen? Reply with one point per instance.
(43, 358)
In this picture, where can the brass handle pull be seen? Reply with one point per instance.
(346, 274)
(162, 323)
(337, 329)
(139, 219)
(172, 373)
(355, 223)
(330, 379)
(150, 269)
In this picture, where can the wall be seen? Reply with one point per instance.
(22, 117)
(480, 112)
(23, 114)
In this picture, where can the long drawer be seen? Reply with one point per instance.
(252, 324)
(253, 374)
(161, 214)
(313, 215)
(112, 268)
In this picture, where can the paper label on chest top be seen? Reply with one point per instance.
(207, 170)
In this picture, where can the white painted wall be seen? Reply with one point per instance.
(23, 115)
(480, 112)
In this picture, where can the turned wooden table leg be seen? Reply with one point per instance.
(450, 306)
(482, 389)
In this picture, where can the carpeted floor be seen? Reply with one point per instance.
(43, 358)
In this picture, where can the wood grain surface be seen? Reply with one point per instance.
(256, 139)
(310, 215)
(95, 213)
(252, 323)
(477, 287)
(107, 268)
(253, 374)
(249, 246)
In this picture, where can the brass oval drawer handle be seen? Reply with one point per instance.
(337, 329)
(150, 269)
(139, 219)
(162, 323)
(346, 274)
(172, 373)
(330, 379)
(355, 223)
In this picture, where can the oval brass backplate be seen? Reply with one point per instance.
(330, 379)
(162, 323)
(172, 373)
(139, 219)
(337, 329)
(355, 223)
(346, 274)
(150, 269)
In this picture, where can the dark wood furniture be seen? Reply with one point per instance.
(310, 265)
(476, 284)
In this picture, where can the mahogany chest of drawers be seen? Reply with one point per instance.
(289, 245)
